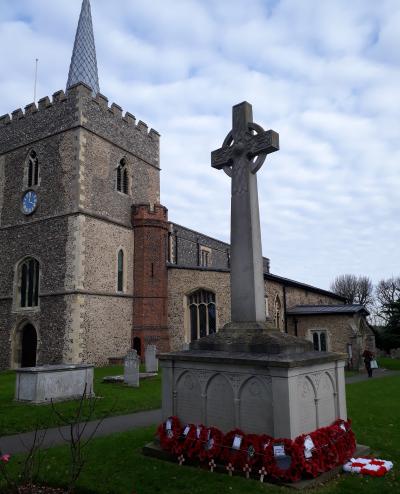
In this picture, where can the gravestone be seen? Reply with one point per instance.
(250, 375)
(131, 369)
(150, 358)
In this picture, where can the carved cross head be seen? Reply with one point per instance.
(246, 139)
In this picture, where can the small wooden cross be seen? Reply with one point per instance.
(212, 464)
(247, 470)
(181, 459)
(230, 469)
(263, 472)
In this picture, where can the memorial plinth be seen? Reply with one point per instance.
(53, 382)
(282, 395)
(249, 375)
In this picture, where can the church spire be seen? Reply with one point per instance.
(83, 67)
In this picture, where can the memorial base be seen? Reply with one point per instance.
(154, 450)
(283, 395)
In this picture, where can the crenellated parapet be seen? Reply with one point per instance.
(78, 108)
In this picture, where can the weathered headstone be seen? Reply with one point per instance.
(131, 369)
(150, 358)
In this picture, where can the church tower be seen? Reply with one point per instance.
(71, 170)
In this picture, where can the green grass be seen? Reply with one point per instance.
(115, 464)
(117, 398)
(351, 373)
(389, 363)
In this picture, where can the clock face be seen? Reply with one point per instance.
(29, 202)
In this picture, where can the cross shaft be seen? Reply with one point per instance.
(242, 154)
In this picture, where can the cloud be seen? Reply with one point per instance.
(325, 75)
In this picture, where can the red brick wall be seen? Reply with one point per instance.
(150, 282)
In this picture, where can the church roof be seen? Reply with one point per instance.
(83, 67)
(302, 310)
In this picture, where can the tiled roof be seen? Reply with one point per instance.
(299, 310)
(83, 67)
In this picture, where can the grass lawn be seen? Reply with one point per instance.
(121, 399)
(115, 464)
(389, 363)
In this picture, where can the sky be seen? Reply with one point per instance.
(324, 75)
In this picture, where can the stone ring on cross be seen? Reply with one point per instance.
(247, 143)
(242, 145)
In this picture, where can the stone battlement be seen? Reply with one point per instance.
(78, 108)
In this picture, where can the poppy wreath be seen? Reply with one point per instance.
(344, 439)
(266, 451)
(252, 445)
(328, 453)
(184, 442)
(211, 443)
(169, 436)
(237, 457)
(312, 464)
(291, 474)
(194, 444)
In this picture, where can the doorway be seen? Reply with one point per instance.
(28, 346)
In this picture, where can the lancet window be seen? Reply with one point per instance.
(122, 177)
(120, 271)
(278, 312)
(28, 277)
(32, 169)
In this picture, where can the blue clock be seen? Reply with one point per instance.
(29, 202)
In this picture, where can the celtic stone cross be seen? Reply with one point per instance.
(242, 154)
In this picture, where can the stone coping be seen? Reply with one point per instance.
(258, 359)
(53, 368)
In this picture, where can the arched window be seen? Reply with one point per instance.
(203, 315)
(33, 169)
(29, 283)
(278, 312)
(120, 275)
(122, 177)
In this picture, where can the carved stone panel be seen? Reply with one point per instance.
(256, 415)
(220, 410)
(327, 401)
(188, 399)
(307, 407)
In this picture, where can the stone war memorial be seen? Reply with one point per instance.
(250, 376)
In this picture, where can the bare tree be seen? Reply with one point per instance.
(356, 289)
(387, 292)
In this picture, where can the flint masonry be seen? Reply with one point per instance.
(91, 266)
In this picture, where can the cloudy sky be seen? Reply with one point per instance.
(325, 75)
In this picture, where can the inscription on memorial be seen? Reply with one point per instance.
(256, 407)
(308, 412)
(327, 399)
(220, 410)
(188, 398)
